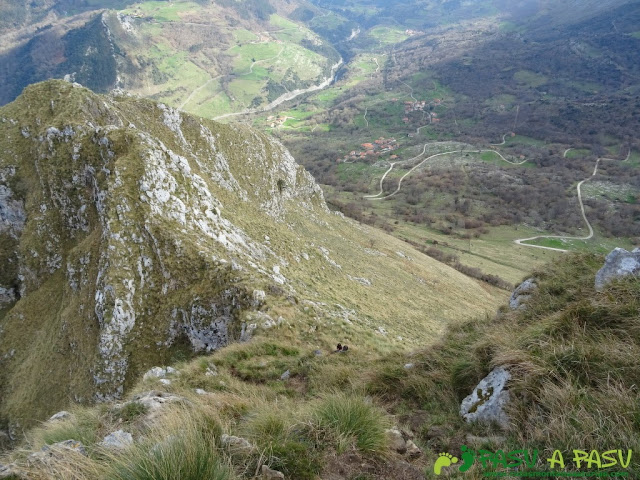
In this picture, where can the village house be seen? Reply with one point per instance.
(370, 149)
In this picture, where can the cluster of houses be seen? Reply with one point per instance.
(277, 122)
(419, 106)
(378, 147)
(411, 33)
(433, 118)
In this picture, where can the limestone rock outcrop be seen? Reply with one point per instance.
(521, 294)
(619, 263)
(486, 402)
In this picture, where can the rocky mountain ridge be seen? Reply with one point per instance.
(132, 233)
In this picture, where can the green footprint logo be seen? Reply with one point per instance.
(444, 460)
(467, 458)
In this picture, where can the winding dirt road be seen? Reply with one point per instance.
(263, 60)
(584, 216)
(502, 142)
(520, 240)
(424, 149)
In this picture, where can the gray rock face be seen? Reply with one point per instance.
(486, 402)
(12, 214)
(521, 294)
(619, 263)
(7, 295)
(118, 439)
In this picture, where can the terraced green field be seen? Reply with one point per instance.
(191, 57)
(388, 35)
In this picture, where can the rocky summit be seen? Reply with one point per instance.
(132, 234)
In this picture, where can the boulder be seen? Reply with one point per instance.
(619, 263)
(487, 400)
(269, 474)
(521, 294)
(62, 415)
(159, 372)
(155, 399)
(117, 440)
(412, 449)
(396, 440)
(237, 444)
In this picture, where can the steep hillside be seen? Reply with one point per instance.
(568, 355)
(132, 234)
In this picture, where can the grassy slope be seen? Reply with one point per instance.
(571, 355)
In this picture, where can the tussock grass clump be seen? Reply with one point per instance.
(130, 411)
(350, 420)
(282, 442)
(84, 425)
(188, 455)
(184, 445)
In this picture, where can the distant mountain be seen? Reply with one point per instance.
(207, 57)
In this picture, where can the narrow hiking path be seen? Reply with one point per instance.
(420, 128)
(366, 109)
(410, 93)
(584, 216)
